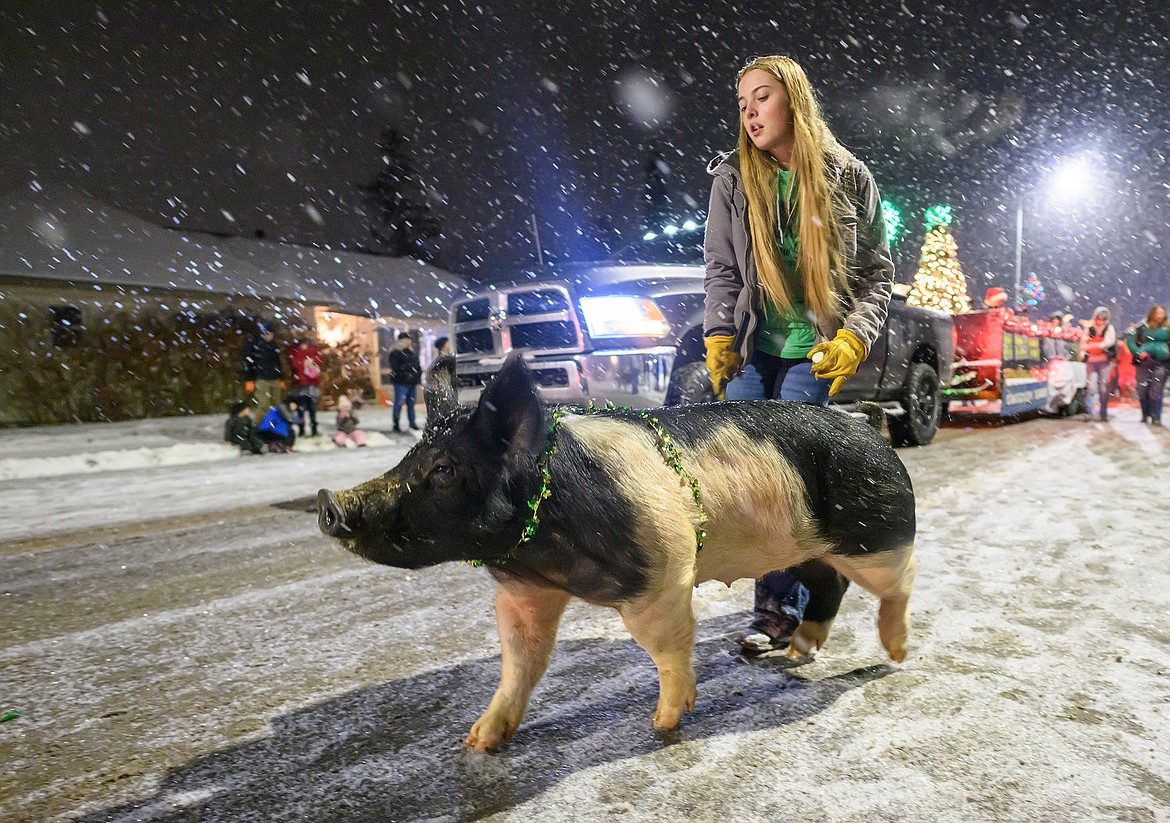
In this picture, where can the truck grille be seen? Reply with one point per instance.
(539, 320)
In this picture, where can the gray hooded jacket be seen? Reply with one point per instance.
(732, 287)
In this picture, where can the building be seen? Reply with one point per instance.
(104, 315)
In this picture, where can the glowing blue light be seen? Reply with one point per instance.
(690, 225)
(649, 235)
(670, 230)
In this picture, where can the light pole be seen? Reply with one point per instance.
(1019, 247)
(1072, 181)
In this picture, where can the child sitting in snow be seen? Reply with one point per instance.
(240, 430)
(276, 429)
(348, 433)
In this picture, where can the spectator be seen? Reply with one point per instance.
(262, 369)
(405, 374)
(1150, 346)
(1055, 347)
(306, 361)
(442, 346)
(240, 430)
(1062, 387)
(277, 427)
(1099, 349)
(348, 434)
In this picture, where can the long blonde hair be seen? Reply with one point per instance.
(1150, 317)
(821, 252)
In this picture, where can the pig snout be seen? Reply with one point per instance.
(330, 515)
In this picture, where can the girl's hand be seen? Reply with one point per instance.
(838, 359)
(722, 363)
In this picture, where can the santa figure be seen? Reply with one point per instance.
(996, 298)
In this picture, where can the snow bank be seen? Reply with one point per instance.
(20, 468)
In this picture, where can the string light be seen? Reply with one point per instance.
(666, 448)
(893, 219)
(1033, 289)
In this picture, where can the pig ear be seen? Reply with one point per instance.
(441, 394)
(510, 417)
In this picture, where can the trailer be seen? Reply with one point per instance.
(1007, 364)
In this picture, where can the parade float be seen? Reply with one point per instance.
(1007, 364)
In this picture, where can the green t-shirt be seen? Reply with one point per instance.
(792, 335)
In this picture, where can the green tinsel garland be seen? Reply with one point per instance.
(666, 448)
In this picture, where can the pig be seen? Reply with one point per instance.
(779, 485)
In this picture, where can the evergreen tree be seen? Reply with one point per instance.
(656, 202)
(939, 283)
(397, 208)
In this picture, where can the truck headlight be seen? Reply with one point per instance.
(623, 316)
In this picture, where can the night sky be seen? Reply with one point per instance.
(239, 117)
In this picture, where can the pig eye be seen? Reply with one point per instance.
(442, 474)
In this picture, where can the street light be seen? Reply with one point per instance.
(1071, 182)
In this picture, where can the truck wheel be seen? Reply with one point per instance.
(923, 405)
(689, 383)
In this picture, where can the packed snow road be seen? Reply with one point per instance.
(179, 648)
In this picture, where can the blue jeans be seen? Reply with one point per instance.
(404, 395)
(1098, 388)
(1151, 383)
(779, 378)
(780, 597)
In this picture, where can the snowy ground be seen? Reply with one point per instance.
(181, 648)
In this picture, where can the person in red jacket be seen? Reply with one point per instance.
(307, 362)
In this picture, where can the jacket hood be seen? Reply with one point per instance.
(836, 159)
(1102, 311)
(730, 158)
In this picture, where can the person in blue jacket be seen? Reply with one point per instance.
(278, 427)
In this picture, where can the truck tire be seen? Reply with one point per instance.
(923, 405)
(689, 383)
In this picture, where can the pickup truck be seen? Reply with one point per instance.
(630, 331)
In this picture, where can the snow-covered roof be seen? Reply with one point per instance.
(60, 234)
(359, 283)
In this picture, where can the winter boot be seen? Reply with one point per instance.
(768, 635)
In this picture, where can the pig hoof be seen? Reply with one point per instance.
(810, 635)
(487, 734)
(666, 720)
(806, 638)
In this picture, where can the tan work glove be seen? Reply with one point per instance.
(838, 359)
(723, 362)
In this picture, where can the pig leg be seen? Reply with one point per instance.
(665, 628)
(826, 586)
(527, 617)
(889, 575)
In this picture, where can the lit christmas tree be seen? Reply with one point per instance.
(1033, 289)
(939, 283)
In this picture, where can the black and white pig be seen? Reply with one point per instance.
(784, 485)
